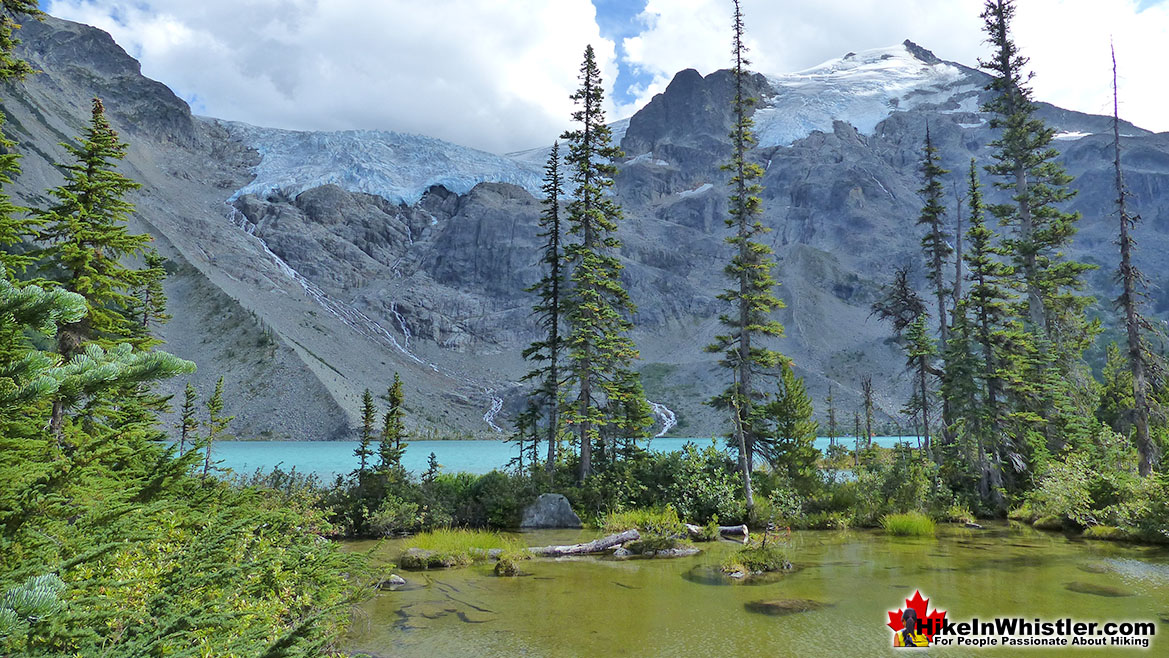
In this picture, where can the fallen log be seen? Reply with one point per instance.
(595, 546)
(698, 532)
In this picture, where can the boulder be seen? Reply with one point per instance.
(392, 583)
(550, 511)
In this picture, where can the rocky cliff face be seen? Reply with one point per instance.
(343, 257)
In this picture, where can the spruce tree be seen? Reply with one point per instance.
(899, 303)
(188, 424)
(151, 298)
(831, 418)
(87, 241)
(393, 437)
(1133, 284)
(750, 271)
(549, 310)
(15, 226)
(867, 392)
(935, 244)
(792, 450)
(597, 307)
(994, 332)
(216, 424)
(920, 350)
(365, 438)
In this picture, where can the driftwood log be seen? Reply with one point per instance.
(596, 546)
(698, 532)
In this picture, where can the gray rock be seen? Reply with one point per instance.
(392, 583)
(550, 511)
(622, 552)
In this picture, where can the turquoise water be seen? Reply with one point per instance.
(328, 459)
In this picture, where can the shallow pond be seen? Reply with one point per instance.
(604, 607)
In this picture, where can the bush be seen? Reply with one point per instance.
(910, 524)
(509, 562)
(959, 514)
(1106, 532)
(393, 516)
(705, 485)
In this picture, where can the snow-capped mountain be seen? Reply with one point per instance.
(862, 89)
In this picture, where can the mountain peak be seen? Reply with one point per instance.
(923, 54)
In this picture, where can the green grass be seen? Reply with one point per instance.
(1106, 532)
(454, 548)
(910, 524)
(654, 521)
(758, 559)
(959, 514)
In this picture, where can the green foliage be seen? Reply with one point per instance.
(705, 486)
(790, 449)
(368, 418)
(444, 548)
(597, 306)
(909, 524)
(393, 437)
(393, 516)
(935, 244)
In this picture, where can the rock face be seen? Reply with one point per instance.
(346, 257)
(550, 511)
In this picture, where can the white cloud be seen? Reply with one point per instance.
(1067, 41)
(492, 75)
(497, 75)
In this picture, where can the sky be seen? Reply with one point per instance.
(497, 74)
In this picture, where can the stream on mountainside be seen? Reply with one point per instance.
(679, 607)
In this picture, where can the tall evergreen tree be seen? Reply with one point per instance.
(15, 226)
(867, 393)
(935, 244)
(88, 239)
(368, 418)
(993, 332)
(750, 271)
(1025, 164)
(151, 298)
(597, 306)
(393, 438)
(899, 303)
(1133, 284)
(831, 417)
(919, 350)
(549, 310)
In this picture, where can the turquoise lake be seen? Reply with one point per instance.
(330, 458)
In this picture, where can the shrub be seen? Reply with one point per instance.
(706, 485)
(909, 524)
(509, 562)
(959, 514)
(394, 515)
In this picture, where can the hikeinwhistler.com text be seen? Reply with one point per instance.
(1020, 632)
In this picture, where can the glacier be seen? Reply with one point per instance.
(399, 167)
(861, 89)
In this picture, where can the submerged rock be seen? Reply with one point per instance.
(622, 553)
(782, 607)
(680, 551)
(392, 583)
(550, 511)
(1096, 590)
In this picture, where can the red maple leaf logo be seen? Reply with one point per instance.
(930, 623)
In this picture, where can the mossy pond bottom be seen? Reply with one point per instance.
(678, 607)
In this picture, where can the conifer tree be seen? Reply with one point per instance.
(1025, 164)
(1132, 283)
(15, 227)
(87, 239)
(549, 307)
(867, 392)
(597, 307)
(368, 417)
(919, 350)
(216, 423)
(899, 303)
(935, 244)
(792, 450)
(993, 332)
(750, 271)
(831, 418)
(188, 424)
(393, 438)
(151, 302)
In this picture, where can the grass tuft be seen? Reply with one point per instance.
(453, 548)
(910, 524)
